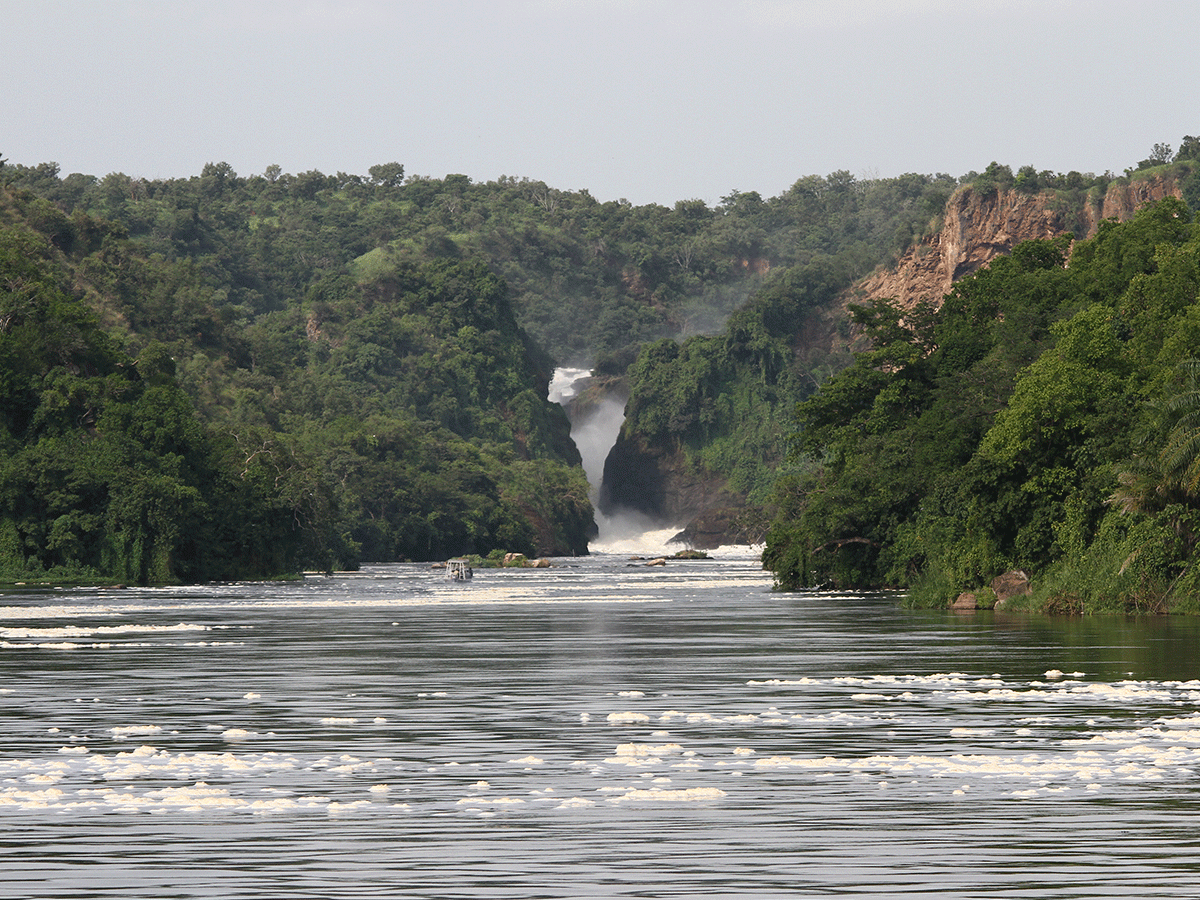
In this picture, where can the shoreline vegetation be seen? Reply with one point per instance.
(1044, 418)
(222, 378)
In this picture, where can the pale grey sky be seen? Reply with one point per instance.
(651, 100)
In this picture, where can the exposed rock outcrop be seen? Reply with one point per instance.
(978, 227)
(1123, 199)
(594, 391)
(1014, 583)
(965, 601)
(723, 525)
(659, 484)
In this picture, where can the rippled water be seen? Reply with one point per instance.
(599, 729)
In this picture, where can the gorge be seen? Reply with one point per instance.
(664, 465)
(356, 369)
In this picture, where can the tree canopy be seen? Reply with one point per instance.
(1042, 419)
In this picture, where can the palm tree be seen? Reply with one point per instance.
(1151, 482)
(1180, 457)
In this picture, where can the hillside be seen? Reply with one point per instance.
(1039, 421)
(718, 478)
(590, 282)
(336, 313)
(148, 439)
(383, 344)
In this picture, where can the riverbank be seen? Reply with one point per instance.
(1066, 590)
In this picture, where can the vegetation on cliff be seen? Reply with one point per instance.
(1042, 419)
(153, 434)
(719, 404)
(225, 376)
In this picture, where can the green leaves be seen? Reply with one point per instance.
(998, 442)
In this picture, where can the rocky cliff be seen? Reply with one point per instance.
(976, 229)
(1123, 199)
(662, 485)
(979, 227)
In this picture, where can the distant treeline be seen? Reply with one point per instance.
(588, 280)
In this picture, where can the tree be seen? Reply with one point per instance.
(387, 174)
(1189, 148)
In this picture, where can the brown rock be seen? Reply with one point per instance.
(1123, 199)
(1013, 583)
(979, 227)
(966, 600)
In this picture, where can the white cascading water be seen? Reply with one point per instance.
(595, 436)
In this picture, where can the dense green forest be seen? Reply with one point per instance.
(385, 342)
(724, 402)
(150, 436)
(589, 281)
(1044, 418)
(106, 470)
(223, 376)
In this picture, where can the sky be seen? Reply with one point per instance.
(652, 101)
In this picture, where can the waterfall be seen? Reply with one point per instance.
(594, 432)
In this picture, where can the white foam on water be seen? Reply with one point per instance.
(658, 795)
(627, 718)
(93, 630)
(511, 587)
(638, 538)
(786, 745)
(576, 803)
(129, 730)
(563, 383)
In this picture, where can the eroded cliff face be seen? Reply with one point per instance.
(979, 227)
(1121, 201)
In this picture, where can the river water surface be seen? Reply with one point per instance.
(597, 729)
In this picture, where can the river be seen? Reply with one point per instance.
(596, 729)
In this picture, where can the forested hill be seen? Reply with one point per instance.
(709, 418)
(589, 281)
(232, 376)
(154, 431)
(381, 344)
(1042, 419)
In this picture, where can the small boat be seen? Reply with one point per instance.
(458, 570)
